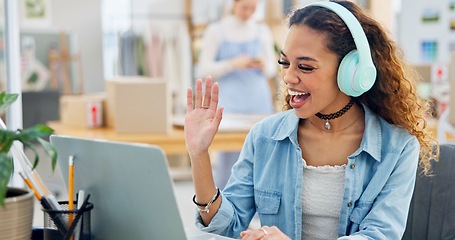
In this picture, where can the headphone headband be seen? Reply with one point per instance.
(360, 39)
(356, 73)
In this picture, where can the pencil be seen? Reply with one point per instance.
(30, 185)
(70, 190)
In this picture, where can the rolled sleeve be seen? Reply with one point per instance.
(221, 221)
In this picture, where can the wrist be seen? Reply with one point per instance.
(230, 65)
(198, 154)
(205, 207)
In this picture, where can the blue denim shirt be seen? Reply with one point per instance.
(267, 179)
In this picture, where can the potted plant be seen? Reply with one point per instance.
(16, 199)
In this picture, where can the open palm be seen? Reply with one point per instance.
(203, 117)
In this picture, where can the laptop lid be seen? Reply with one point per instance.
(130, 187)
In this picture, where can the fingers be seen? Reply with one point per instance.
(210, 99)
(198, 95)
(265, 232)
(254, 234)
(208, 92)
(218, 117)
(189, 100)
(214, 97)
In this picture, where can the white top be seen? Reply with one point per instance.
(322, 196)
(233, 29)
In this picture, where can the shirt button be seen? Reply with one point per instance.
(352, 166)
(349, 204)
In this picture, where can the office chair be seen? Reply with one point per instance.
(432, 210)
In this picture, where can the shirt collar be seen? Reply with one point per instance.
(371, 141)
(372, 135)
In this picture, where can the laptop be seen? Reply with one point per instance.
(130, 187)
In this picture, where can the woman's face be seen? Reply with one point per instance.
(309, 70)
(244, 9)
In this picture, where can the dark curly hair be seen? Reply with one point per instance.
(393, 95)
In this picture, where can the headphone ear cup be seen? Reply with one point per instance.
(346, 74)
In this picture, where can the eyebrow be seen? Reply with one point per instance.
(301, 58)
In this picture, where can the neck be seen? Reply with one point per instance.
(340, 124)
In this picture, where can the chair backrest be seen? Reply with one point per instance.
(432, 210)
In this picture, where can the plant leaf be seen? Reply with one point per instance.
(7, 138)
(6, 168)
(50, 150)
(35, 132)
(6, 99)
(31, 146)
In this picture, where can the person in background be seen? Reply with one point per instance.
(238, 53)
(340, 161)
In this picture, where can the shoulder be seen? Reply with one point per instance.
(264, 29)
(387, 136)
(214, 27)
(394, 134)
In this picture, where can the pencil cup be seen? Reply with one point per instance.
(67, 224)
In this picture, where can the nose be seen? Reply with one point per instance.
(290, 76)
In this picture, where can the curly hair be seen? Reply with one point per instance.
(393, 95)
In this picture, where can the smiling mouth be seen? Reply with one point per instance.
(298, 97)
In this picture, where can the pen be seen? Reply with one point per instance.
(30, 185)
(79, 215)
(49, 203)
(70, 189)
(80, 201)
(28, 170)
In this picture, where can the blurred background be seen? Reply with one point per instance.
(66, 57)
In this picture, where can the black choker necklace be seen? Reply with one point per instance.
(332, 116)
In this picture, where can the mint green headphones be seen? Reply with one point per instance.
(356, 73)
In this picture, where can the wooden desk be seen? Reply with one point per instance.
(173, 143)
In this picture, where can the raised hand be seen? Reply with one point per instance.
(202, 118)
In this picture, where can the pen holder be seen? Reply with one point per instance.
(64, 224)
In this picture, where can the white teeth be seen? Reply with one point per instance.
(295, 93)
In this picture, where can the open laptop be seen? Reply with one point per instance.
(130, 187)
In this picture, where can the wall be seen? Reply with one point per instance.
(382, 11)
(412, 31)
(83, 19)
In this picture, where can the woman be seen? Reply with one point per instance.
(332, 165)
(237, 52)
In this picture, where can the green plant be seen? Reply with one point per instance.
(28, 137)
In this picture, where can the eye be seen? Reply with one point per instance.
(306, 69)
(283, 64)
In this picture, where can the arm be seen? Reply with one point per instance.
(211, 42)
(208, 65)
(202, 120)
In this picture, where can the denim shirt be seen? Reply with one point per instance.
(267, 179)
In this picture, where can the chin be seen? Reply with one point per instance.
(302, 114)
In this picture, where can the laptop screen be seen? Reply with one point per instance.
(129, 185)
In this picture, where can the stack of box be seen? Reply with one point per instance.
(138, 105)
(85, 110)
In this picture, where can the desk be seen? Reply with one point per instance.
(173, 143)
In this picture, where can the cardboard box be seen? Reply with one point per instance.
(138, 105)
(424, 71)
(83, 110)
